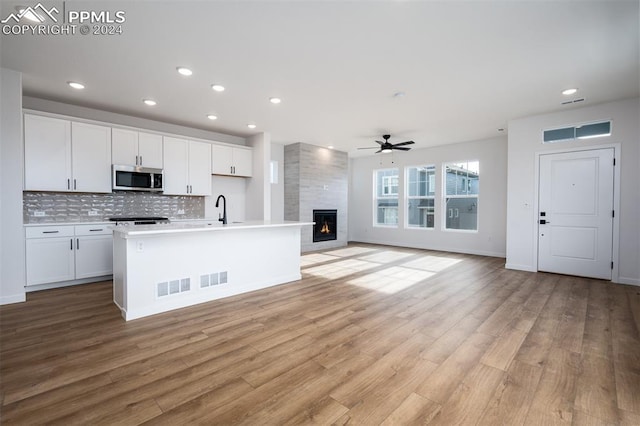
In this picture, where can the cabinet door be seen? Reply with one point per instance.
(176, 159)
(49, 260)
(47, 153)
(150, 150)
(91, 157)
(94, 256)
(221, 159)
(242, 162)
(124, 147)
(199, 168)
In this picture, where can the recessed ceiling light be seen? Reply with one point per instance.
(149, 102)
(568, 92)
(399, 94)
(217, 87)
(275, 100)
(330, 147)
(501, 129)
(212, 117)
(251, 126)
(76, 85)
(184, 71)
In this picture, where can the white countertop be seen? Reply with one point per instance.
(203, 226)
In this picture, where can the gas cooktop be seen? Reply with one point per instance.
(139, 220)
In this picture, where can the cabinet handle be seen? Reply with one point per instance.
(74, 184)
(77, 243)
(93, 230)
(50, 232)
(136, 160)
(68, 183)
(141, 160)
(71, 246)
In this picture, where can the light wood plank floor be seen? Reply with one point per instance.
(371, 335)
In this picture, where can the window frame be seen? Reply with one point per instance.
(385, 197)
(445, 196)
(407, 197)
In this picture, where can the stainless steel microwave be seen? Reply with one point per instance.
(132, 178)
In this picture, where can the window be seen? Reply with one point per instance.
(386, 197)
(461, 195)
(421, 185)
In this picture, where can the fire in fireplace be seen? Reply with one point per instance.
(326, 227)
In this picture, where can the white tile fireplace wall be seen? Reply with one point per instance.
(58, 207)
(315, 178)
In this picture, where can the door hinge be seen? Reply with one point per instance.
(611, 265)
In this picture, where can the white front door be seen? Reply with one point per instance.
(575, 215)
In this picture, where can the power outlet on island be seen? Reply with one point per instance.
(139, 246)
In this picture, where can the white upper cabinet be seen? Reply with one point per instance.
(187, 169)
(132, 148)
(47, 153)
(61, 155)
(91, 157)
(231, 161)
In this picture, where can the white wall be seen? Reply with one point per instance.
(490, 237)
(12, 248)
(234, 190)
(277, 189)
(525, 140)
(259, 186)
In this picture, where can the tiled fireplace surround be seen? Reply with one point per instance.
(315, 178)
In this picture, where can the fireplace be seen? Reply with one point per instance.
(326, 227)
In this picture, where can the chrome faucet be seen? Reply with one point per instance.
(222, 218)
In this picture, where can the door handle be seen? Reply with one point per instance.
(544, 222)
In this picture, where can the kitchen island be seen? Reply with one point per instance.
(158, 268)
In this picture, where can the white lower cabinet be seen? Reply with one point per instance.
(67, 252)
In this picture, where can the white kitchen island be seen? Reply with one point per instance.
(158, 268)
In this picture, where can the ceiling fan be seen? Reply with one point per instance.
(387, 146)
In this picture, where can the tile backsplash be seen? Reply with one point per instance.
(58, 207)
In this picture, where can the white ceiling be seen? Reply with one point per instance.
(466, 68)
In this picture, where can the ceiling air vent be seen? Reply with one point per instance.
(584, 131)
(572, 101)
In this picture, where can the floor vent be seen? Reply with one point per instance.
(170, 288)
(210, 280)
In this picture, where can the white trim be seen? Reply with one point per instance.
(16, 298)
(425, 247)
(518, 267)
(617, 155)
(628, 281)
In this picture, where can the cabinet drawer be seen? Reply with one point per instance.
(98, 229)
(48, 231)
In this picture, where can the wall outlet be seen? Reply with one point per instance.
(325, 187)
(39, 213)
(180, 211)
(140, 246)
(93, 213)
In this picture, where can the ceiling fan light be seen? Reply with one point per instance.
(386, 150)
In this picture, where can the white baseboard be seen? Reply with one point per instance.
(517, 267)
(629, 281)
(15, 298)
(434, 248)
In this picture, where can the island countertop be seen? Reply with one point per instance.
(203, 226)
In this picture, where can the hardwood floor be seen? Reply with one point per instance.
(371, 335)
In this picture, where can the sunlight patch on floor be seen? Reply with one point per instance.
(340, 269)
(387, 256)
(350, 251)
(392, 280)
(315, 258)
(432, 263)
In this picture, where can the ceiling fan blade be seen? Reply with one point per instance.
(381, 143)
(378, 151)
(369, 147)
(404, 143)
(401, 148)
